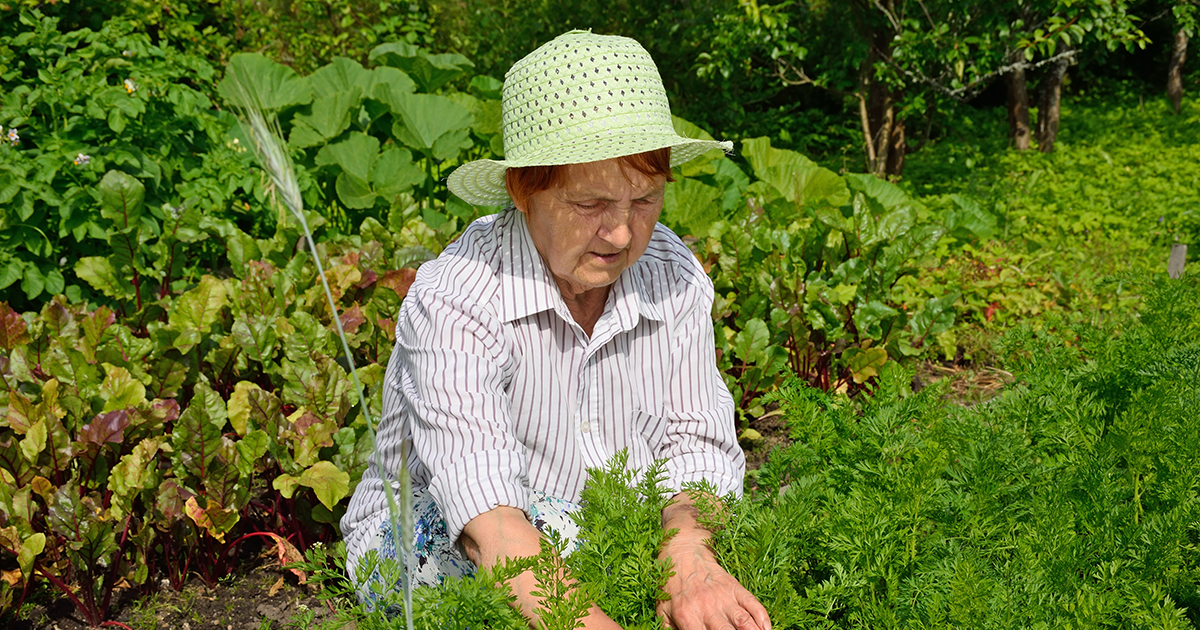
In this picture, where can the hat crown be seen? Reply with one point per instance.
(581, 87)
(579, 98)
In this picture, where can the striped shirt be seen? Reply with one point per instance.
(502, 391)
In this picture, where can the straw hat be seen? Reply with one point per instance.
(578, 98)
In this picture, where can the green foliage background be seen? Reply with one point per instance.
(171, 382)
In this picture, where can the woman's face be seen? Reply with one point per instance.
(595, 225)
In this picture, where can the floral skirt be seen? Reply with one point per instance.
(434, 556)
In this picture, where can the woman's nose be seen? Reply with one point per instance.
(616, 229)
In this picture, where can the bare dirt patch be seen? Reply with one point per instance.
(258, 598)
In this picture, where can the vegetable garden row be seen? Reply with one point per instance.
(173, 391)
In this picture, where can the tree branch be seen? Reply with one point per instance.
(965, 92)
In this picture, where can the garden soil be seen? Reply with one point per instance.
(258, 598)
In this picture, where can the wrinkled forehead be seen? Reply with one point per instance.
(608, 179)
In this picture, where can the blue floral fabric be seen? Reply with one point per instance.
(434, 557)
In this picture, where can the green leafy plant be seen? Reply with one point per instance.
(117, 153)
(806, 265)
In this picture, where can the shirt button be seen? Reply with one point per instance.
(585, 427)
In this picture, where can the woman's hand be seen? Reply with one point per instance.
(703, 595)
(504, 532)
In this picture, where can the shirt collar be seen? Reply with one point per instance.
(528, 287)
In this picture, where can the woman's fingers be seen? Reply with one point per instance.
(715, 610)
(756, 610)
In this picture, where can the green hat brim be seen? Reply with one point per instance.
(481, 183)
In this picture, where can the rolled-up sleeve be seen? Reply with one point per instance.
(452, 369)
(700, 441)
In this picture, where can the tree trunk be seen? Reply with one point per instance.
(897, 148)
(1018, 107)
(1048, 105)
(885, 137)
(1175, 74)
(879, 116)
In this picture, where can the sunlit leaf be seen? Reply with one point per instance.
(100, 273)
(430, 71)
(691, 207)
(264, 83)
(133, 474)
(214, 519)
(751, 341)
(122, 199)
(35, 441)
(426, 118)
(13, 331)
(257, 339)
(194, 312)
(106, 427)
(330, 484)
(120, 390)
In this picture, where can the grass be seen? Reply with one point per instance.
(1122, 186)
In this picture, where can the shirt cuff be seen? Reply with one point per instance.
(476, 484)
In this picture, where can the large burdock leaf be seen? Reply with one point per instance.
(330, 117)
(428, 70)
(330, 484)
(354, 192)
(691, 207)
(394, 172)
(134, 473)
(122, 199)
(354, 155)
(386, 80)
(196, 311)
(268, 85)
(426, 119)
(798, 178)
(887, 195)
(366, 173)
(341, 77)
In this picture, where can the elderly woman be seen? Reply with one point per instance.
(556, 333)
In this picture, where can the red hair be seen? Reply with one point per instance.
(525, 181)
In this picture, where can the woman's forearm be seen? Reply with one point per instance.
(504, 532)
